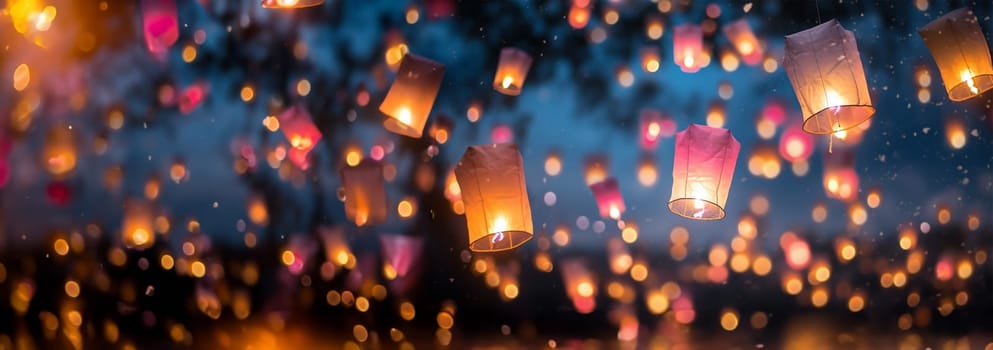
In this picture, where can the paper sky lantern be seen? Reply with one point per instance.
(654, 126)
(409, 100)
(687, 47)
(301, 132)
(159, 25)
(840, 179)
(596, 168)
(497, 210)
(365, 193)
(579, 17)
(59, 153)
(740, 34)
(137, 229)
(650, 61)
(401, 252)
(511, 71)
(825, 68)
(580, 285)
(795, 144)
(608, 198)
(959, 48)
(191, 97)
(335, 245)
(290, 4)
(702, 172)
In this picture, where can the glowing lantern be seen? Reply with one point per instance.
(410, 98)
(650, 60)
(596, 169)
(687, 47)
(740, 34)
(440, 130)
(299, 250)
(825, 68)
(191, 97)
(497, 210)
(401, 255)
(365, 193)
(840, 180)
(59, 155)
(959, 48)
(512, 70)
(654, 126)
(137, 229)
(301, 132)
(160, 25)
(795, 145)
(608, 198)
(579, 17)
(290, 4)
(580, 285)
(702, 172)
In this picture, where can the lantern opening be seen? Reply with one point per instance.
(971, 84)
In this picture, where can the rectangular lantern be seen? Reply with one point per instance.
(825, 68)
(740, 34)
(290, 4)
(511, 71)
(365, 193)
(702, 172)
(300, 131)
(159, 25)
(497, 210)
(608, 198)
(840, 179)
(409, 100)
(687, 47)
(137, 228)
(963, 56)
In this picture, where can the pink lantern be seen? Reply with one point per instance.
(301, 132)
(298, 253)
(687, 47)
(840, 179)
(365, 193)
(654, 126)
(702, 172)
(740, 34)
(795, 144)
(608, 198)
(580, 285)
(401, 261)
(160, 25)
(191, 97)
(409, 100)
(290, 4)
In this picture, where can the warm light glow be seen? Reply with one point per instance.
(507, 81)
(584, 289)
(967, 77)
(955, 134)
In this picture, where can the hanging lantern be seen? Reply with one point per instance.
(840, 179)
(687, 47)
(290, 4)
(301, 132)
(365, 193)
(59, 155)
(740, 34)
(825, 68)
(702, 172)
(160, 25)
(137, 230)
(608, 198)
(959, 48)
(795, 145)
(596, 168)
(497, 210)
(512, 70)
(409, 100)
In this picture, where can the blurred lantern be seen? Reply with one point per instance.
(608, 198)
(336, 248)
(191, 97)
(740, 34)
(840, 180)
(650, 61)
(301, 132)
(764, 161)
(401, 253)
(795, 249)
(160, 25)
(511, 71)
(702, 172)
(580, 285)
(137, 230)
(299, 251)
(290, 4)
(825, 68)
(58, 193)
(596, 168)
(654, 126)
(579, 17)
(424, 175)
(687, 47)
(441, 129)
(502, 134)
(59, 155)
(409, 100)
(396, 49)
(452, 190)
(795, 145)
(438, 9)
(648, 174)
(4, 154)
(497, 210)
(618, 256)
(365, 193)
(959, 48)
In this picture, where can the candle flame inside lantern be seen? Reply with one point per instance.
(584, 289)
(967, 78)
(499, 226)
(688, 60)
(301, 142)
(287, 2)
(746, 48)
(654, 129)
(140, 236)
(404, 115)
(698, 192)
(507, 81)
(614, 212)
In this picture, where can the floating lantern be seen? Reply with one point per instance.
(608, 198)
(160, 25)
(825, 68)
(654, 126)
(650, 61)
(410, 98)
(796, 145)
(580, 285)
(840, 180)
(740, 34)
(959, 48)
(596, 168)
(497, 210)
(511, 71)
(137, 229)
(401, 253)
(716, 114)
(59, 154)
(441, 129)
(648, 174)
(335, 246)
(301, 132)
(702, 172)
(191, 97)
(579, 17)
(290, 4)
(365, 193)
(687, 47)
(764, 162)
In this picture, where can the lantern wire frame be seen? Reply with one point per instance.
(290, 4)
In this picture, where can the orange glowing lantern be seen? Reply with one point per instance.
(137, 229)
(825, 68)
(497, 210)
(580, 285)
(740, 34)
(290, 4)
(687, 47)
(702, 172)
(596, 168)
(796, 145)
(608, 198)
(59, 154)
(410, 98)
(160, 25)
(840, 179)
(301, 132)
(441, 130)
(401, 253)
(365, 193)
(650, 61)
(959, 48)
(511, 71)
(579, 17)
(654, 126)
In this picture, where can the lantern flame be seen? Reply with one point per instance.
(698, 192)
(614, 212)
(967, 78)
(287, 2)
(688, 60)
(499, 226)
(507, 81)
(404, 115)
